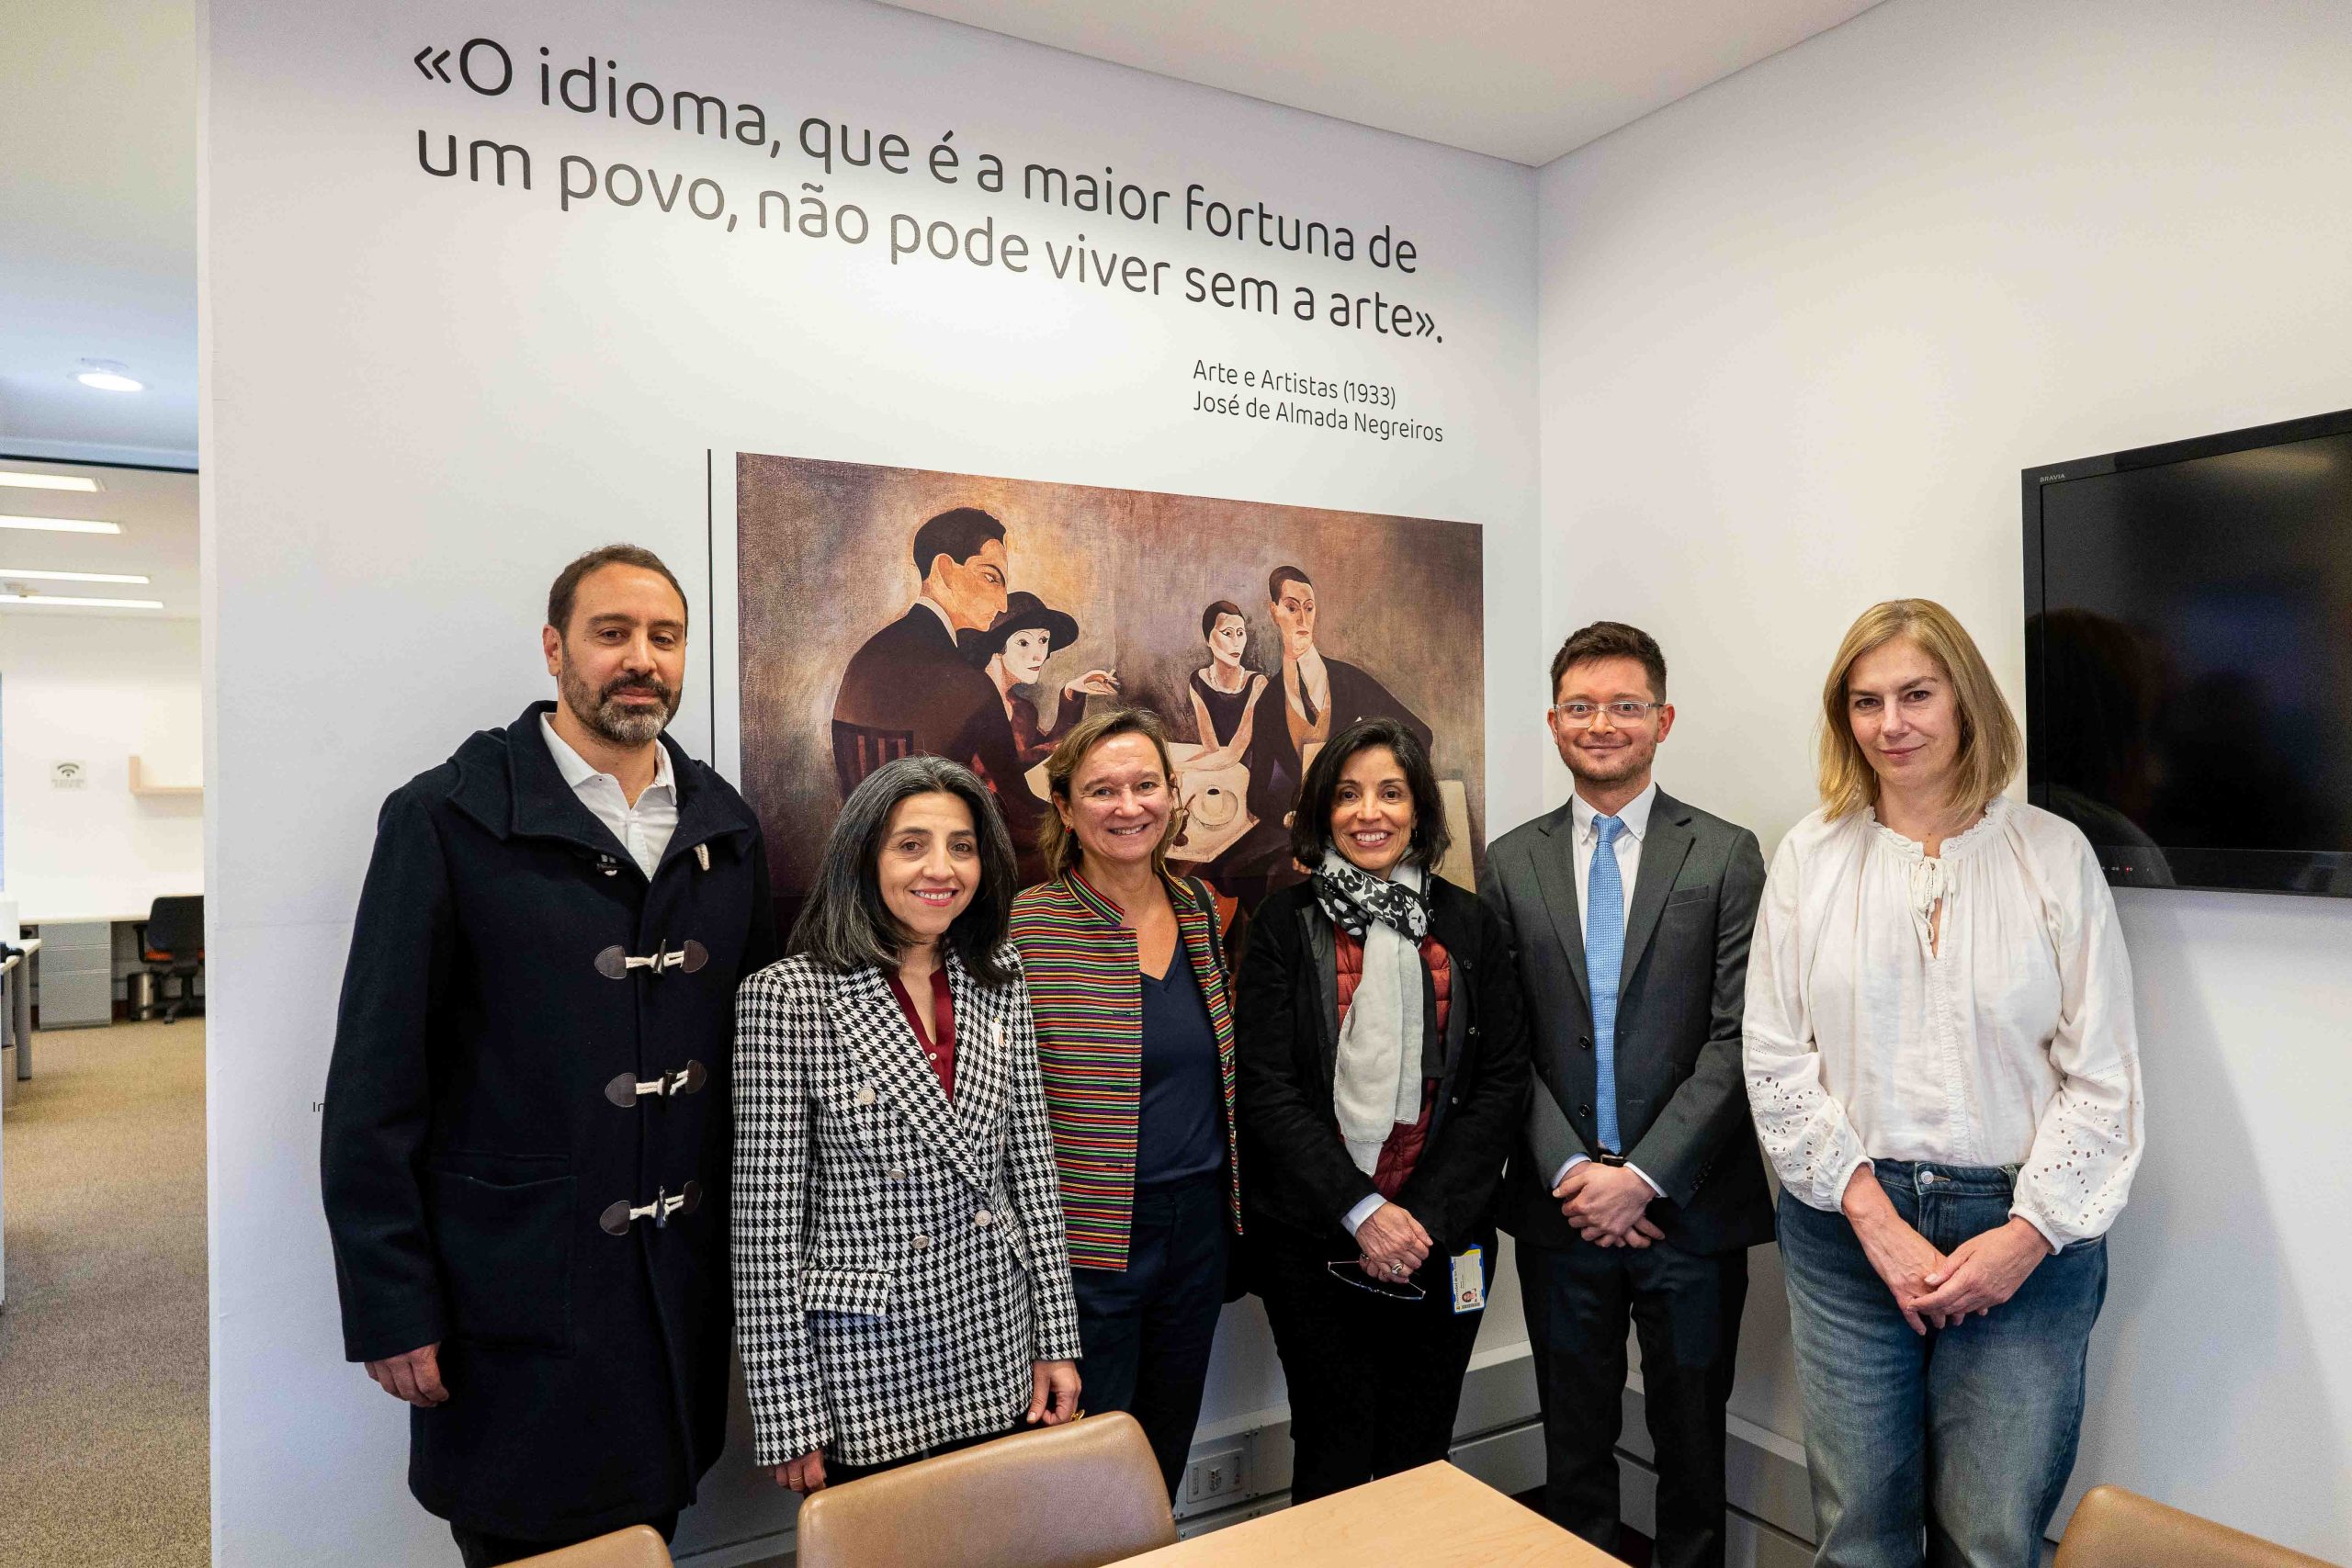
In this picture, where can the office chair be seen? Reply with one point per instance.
(173, 947)
(1014, 1503)
(2115, 1528)
(636, 1546)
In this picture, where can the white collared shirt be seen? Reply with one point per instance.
(1635, 815)
(1307, 673)
(2008, 1042)
(644, 828)
(928, 602)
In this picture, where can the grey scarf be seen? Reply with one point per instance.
(1376, 1082)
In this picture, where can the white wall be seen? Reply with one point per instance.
(98, 690)
(424, 395)
(1799, 334)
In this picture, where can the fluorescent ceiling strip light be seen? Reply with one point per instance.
(84, 604)
(49, 481)
(17, 571)
(61, 526)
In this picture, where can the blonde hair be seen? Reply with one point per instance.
(1056, 843)
(1991, 744)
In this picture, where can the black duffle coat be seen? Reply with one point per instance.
(485, 1132)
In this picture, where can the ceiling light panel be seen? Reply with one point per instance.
(12, 573)
(49, 481)
(60, 525)
(109, 376)
(68, 599)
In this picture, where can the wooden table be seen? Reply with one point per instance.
(1435, 1516)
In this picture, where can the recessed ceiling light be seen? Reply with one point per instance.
(84, 604)
(61, 525)
(12, 573)
(49, 481)
(109, 376)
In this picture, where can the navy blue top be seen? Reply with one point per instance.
(1181, 1133)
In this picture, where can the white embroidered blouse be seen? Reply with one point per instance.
(2005, 1039)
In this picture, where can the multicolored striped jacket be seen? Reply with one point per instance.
(1087, 996)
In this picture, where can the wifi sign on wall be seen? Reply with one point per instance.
(69, 775)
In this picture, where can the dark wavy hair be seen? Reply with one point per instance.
(1612, 639)
(1222, 607)
(1310, 826)
(566, 587)
(845, 925)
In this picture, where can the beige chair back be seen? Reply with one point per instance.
(636, 1546)
(1072, 1496)
(2115, 1528)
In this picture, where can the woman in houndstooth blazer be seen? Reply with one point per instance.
(901, 1279)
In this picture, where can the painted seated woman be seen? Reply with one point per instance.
(1254, 854)
(1013, 652)
(1224, 691)
(901, 1279)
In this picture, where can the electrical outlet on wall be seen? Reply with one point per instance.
(1218, 1476)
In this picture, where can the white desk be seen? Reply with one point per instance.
(81, 967)
(75, 973)
(17, 1029)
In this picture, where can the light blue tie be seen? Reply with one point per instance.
(1604, 956)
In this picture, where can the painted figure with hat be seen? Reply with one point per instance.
(1012, 652)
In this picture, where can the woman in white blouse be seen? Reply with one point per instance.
(1942, 1068)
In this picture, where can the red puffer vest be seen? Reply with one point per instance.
(1403, 1149)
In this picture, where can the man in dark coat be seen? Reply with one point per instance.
(527, 1136)
(908, 688)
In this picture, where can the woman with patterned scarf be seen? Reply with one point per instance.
(1382, 1071)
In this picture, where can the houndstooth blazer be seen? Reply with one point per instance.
(899, 1262)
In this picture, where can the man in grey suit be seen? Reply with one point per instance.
(1637, 1188)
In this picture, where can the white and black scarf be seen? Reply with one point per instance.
(1376, 1081)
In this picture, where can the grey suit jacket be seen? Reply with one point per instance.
(1681, 1100)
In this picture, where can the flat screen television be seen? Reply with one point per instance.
(2188, 657)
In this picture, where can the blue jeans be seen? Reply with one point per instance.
(1949, 1448)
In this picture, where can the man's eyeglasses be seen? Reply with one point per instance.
(1349, 1270)
(1583, 714)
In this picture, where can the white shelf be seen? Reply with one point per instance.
(141, 785)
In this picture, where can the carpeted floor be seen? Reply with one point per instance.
(103, 1358)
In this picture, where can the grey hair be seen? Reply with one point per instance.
(845, 925)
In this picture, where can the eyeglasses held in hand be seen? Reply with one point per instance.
(1583, 714)
(1348, 1271)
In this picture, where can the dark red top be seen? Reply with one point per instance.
(1402, 1151)
(937, 1038)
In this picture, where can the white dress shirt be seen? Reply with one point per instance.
(933, 605)
(1307, 675)
(2010, 1041)
(644, 828)
(1635, 815)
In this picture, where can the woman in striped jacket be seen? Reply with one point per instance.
(1135, 1043)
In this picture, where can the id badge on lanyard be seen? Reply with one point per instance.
(1470, 1281)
